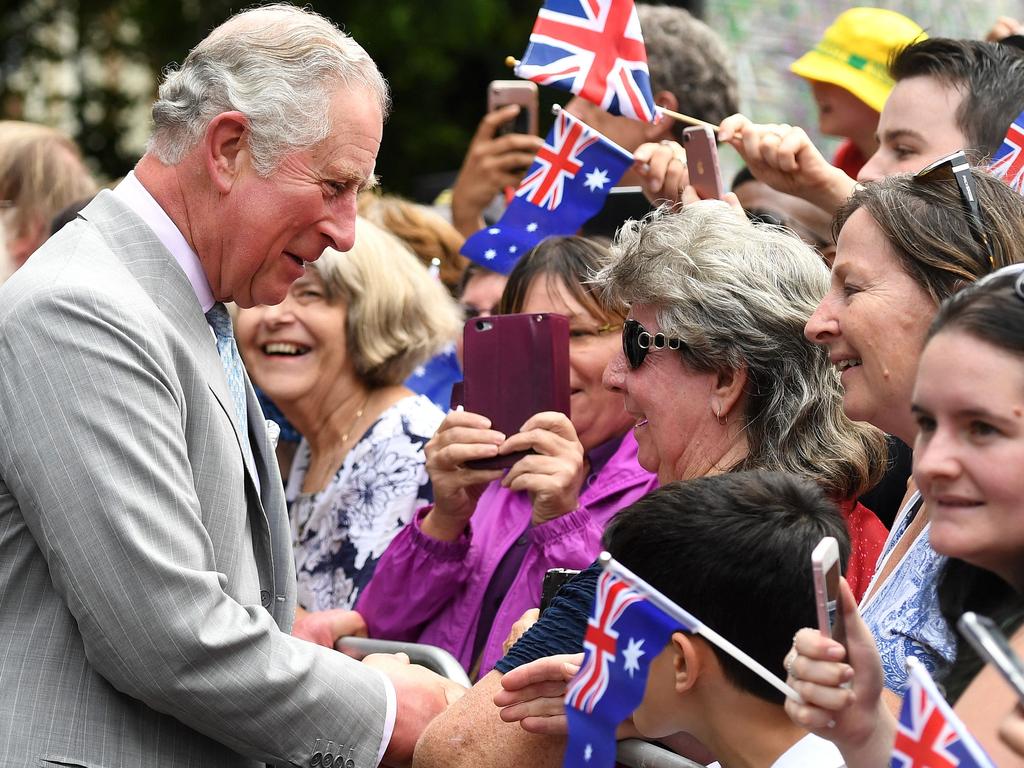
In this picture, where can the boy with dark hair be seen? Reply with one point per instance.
(734, 550)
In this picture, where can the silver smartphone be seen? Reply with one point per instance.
(990, 643)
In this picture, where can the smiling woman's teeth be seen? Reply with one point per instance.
(280, 348)
(842, 365)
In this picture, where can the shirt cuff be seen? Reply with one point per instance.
(389, 716)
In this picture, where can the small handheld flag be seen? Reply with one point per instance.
(631, 624)
(929, 734)
(1008, 161)
(593, 48)
(566, 185)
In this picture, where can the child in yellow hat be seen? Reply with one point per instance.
(849, 77)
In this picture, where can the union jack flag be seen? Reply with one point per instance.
(930, 735)
(624, 635)
(1008, 161)
(557, 162)
(600, 642)
(566, 186)
(593, 48)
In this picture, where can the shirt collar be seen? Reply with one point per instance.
(137, 197)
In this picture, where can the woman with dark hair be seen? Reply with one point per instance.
(968, 403)
(473, 562)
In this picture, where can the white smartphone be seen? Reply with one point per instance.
(990, 643)
(826, 567)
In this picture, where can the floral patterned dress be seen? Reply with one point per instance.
(339, 533)
(903, 614)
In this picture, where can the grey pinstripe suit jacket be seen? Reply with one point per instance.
(144, 582)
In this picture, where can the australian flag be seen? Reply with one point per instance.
(623, 636)
(930, 735)
(1008, 161)
(566, 185)
(595, 49)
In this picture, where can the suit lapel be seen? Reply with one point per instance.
(167, 285)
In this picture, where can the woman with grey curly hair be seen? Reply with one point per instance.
(717, 376)
(733, 300)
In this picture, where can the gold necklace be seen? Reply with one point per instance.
(355, 421)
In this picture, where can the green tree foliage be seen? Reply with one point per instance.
(438, 56)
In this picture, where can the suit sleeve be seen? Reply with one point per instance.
(103, 473)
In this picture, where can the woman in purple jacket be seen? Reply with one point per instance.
(468, 567)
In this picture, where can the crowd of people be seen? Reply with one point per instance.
(229, 395)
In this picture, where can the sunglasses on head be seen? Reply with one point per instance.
(637, 341)
(956, 167)
(1009, 270)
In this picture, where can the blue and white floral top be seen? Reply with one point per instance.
(903, 615)
(339, 533)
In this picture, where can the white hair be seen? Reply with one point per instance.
(279, 66)
(739, 296)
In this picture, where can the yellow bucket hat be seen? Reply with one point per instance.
(854, 53)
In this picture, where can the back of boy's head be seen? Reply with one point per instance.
(990, 75)
(735, 551)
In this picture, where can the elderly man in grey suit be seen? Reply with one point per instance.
(146, 576)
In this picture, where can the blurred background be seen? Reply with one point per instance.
(91, 67)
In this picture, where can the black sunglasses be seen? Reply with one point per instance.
(955, 166)
(637, 341)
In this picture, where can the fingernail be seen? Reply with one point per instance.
(836, 652)
(645, 168)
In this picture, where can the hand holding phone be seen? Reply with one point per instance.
(522, 93)
(702, 162)
(991, 644)
(826, 568)
(515, 366)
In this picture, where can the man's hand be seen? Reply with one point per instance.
(491, 164)
(783, 157)
(534, 694)
(325, 627)
(421, 696)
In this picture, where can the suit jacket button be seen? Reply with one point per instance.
(350, 763)
(316, 759)
(328, 760)
(265, 598)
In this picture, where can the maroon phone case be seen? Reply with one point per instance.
(514, 366)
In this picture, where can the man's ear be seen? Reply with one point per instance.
(730, 385)
(226, 149)
(686, 661)
(663, 130)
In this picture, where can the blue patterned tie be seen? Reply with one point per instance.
(220, 321)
